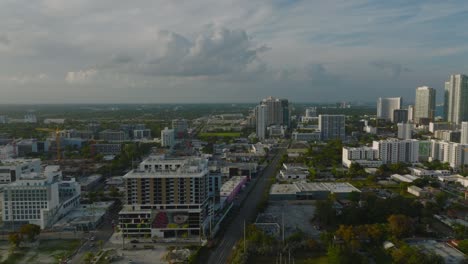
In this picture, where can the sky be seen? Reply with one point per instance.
(175, 51)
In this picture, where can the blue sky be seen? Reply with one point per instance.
(85, 51)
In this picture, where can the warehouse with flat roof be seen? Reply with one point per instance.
(311, 190)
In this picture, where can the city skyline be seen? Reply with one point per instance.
(224, 51)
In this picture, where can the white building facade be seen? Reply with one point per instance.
(425, 104)
(40, 198)
(456, 99)
(167, 137)
(386, 106)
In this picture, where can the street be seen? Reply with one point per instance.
(104, 232)
(247, 213)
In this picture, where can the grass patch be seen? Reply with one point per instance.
(220, 134)
(316, 260)
(58, 245)
(15, 257)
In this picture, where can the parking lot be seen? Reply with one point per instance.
(296, 215)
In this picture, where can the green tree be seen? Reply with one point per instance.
(400, 225)
(100, 244)
(312, 174)
(15, 240)
(441, 199)
(114, 192)
(88, 257)
(30, 230)
(463, 246)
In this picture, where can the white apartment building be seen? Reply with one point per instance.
(142, 133)
(364, 156)
(166, 198)
(405, 130)
(433, 126)
(12, 169)
(464, 133)
(39, 198)
(386, 106)
(277, 111)
(167, 137)
(456, 99)
(394, 150)
(8, 151)
(454, 153)
(425, 104)
(410, 113)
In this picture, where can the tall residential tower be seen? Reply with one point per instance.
(386, 106)
(425, 104)
(456, 99)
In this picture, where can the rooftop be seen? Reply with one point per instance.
(232, 183)
(302, 186)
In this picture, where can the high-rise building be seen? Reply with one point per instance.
(410, 113)
(332, 127)
(464, 133)
(167, 137)
(277, 111)
(40, 198)
(456, 99)
(180, 127)
(405, 130)
(425, 104)
(261, 120)
(166, 198)
(386, 106)
(400, 116)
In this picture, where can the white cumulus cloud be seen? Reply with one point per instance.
(81, 75)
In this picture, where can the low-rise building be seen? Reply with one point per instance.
(112, 136)
(85, 217)
(302, 190)
(90, 183)
(455, 178)
(310, 136)
(142, 133)
(416, 191)
(12, 169)
(430, 173)
(403, 178)
(106, 148)
(231, 188)
(294, 172)
(364, 156)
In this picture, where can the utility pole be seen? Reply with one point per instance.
(282, 225)
(244, 238)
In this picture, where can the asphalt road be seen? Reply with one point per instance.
(104, 232)
(247, 213)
